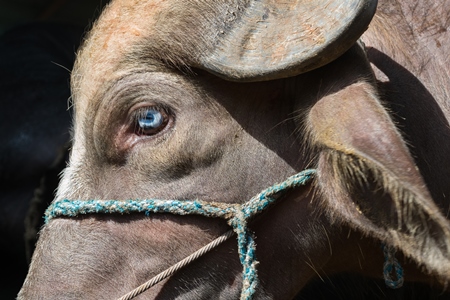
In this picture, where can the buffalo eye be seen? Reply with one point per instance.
(151, 120)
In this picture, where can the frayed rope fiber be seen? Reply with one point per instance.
(237, 216)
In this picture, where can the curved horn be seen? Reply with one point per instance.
(272, 39)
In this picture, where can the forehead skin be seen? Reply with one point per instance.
(122, 24)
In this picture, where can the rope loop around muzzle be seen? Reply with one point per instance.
(237, 216)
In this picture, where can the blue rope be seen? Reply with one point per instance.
(236, 215)
(391, 264)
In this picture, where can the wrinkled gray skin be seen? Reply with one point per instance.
(382, 177)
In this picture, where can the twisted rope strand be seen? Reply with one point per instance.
(182, 263)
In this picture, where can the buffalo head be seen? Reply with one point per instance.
(216, 100)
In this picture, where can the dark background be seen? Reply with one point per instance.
(16, 12)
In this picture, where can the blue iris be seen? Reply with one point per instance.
(150, 119)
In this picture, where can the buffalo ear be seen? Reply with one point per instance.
(365, 173)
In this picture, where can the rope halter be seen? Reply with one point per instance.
(237, 216)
